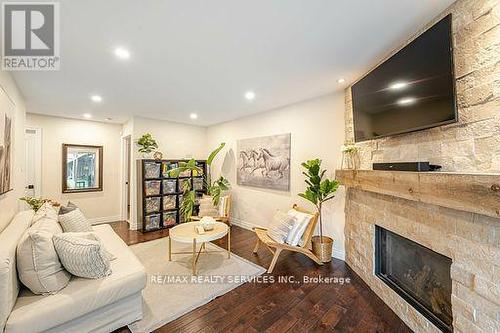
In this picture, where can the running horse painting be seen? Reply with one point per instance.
(265, 162)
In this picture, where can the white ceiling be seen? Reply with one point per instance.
(201, 56)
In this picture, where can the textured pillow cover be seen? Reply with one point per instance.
(280, 226)
(207, 207)
(46, 211)
(74, 221)
(82, 256)
(38, 265)
(68, 208)
(301, 222)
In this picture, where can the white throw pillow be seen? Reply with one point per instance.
(82, 255)
(301, 222)
(280, 226)
(207, 207)
(75, 221)
(38, 265)
(46, 211)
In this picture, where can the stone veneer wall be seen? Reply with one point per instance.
(472, 242)
(472, 144)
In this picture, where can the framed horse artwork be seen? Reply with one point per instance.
(265, 162)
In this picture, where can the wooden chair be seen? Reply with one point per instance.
(226, 217)
(271, 244)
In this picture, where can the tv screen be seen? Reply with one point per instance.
(413, 90)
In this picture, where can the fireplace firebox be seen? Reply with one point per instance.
(418, 274)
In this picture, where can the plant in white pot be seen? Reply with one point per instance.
(319, 190)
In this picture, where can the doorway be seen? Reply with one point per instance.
(126, 157)
(33, 162)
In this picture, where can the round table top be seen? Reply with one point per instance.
(186, 232)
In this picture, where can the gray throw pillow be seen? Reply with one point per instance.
(83, 255)
(75, 221)
(68, 208)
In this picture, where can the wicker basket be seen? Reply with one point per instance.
(322, 250)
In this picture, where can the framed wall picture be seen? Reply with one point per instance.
(81, 168)
(6, 137)
(265, 162)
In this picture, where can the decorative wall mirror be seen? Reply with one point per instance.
(81, 168)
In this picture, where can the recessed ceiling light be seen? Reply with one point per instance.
(250, 95)
(341, 80)
(398, 85)
(87, 115)
(193, 116)
(96, 98)
(122, 53)
(407, 101)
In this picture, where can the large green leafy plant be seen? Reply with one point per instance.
(147, 144)
(319, 189)
(215, 189)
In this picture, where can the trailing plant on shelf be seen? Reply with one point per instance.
(214, 189)
(147, 144)
(36, 203)
(319, 190)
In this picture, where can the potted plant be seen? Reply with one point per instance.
(350, 156)
(319, 190)
(147, 144)
(214, 189)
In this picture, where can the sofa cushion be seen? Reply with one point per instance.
(68, 208)
(9, 286)
(82, 254)
(75, 221)
(46, 211)
(38, 264)
(35, 313)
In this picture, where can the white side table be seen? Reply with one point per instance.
(186, 233)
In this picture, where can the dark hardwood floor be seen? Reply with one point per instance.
(283, 307)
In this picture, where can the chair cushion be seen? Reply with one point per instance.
(280, 227)
(9, 285)
(35, 313)
(299, 227)
(38, 264)
(82, 254)
(207, 207)
(74, 221)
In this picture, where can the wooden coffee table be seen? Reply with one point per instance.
(186, 233)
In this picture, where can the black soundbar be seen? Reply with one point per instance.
(406, 166)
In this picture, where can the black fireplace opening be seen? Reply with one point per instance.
(418, 274)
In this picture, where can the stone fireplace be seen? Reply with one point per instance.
(454, 218)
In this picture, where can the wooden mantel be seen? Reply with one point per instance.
(476, 193)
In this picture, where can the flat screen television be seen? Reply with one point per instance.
(411, 91)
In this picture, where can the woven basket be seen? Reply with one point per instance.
(322, 250)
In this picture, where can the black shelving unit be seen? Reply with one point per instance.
(159, 196)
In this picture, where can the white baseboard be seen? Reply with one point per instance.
(337, 254)
(105, 219)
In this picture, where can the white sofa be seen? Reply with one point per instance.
(85, 305)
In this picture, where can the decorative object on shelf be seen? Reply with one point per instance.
(158, 155)
(147, 144)
(152, 170)
(319, 190)
(6, 135)
(82, 168)
(191, 194)
(160, 195)
(265, 162)
(152, 187)
(350, 156)
(207, 222)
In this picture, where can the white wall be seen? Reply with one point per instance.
(9, 202)
(317, 131)
(103, 206)
(175, 140)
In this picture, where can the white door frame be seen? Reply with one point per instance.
(38, 159)
(125, 173)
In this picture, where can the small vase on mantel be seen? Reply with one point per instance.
(350, 157)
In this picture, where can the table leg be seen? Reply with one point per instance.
(169, 248)
(194, 256)
(229, 243)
